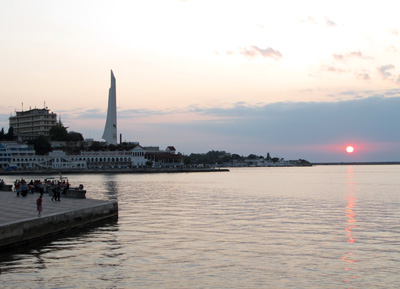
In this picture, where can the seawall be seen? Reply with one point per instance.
(20, 224)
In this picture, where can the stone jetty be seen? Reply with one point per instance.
(20, 224)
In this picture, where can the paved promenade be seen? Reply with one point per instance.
(19, 221)
(14, 209)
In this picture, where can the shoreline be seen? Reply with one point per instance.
(114, 171)
(355, 163)
(170, 170)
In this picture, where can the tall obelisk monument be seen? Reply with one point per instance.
(110, 130)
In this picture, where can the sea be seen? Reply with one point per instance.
(332, 226)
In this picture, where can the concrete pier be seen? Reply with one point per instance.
(19, 221)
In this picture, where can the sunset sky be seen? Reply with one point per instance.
(297, 79)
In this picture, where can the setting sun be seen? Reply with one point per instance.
(349, 149)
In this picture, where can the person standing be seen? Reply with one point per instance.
(17, 187)
(39, 205)
(59, 190)
(24, 188)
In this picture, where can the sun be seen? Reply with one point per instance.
(349, 149)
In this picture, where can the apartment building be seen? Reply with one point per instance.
(33, 123)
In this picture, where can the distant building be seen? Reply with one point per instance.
(10, 151)
(15, 156)
(32, 123)
(163, 159)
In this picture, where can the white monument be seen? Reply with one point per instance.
(110, 130)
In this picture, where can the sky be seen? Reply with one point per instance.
(296, 79)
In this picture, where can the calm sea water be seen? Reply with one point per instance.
(316, 227)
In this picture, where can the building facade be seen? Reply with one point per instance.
(14, 156)
(32, 123)
(164, 159)
(10, 151)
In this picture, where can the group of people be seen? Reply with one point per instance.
(22, 188)
(60, 187)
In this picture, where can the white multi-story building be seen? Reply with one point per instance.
(32, 123)
(11, 150)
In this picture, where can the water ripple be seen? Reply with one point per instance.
(332, 227)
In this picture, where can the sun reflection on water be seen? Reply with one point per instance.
(351, 221)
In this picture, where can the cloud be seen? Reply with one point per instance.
(392, 49)
(329, 22)
(363, 74)
(309, 19)
(255, 51)
(385, 71)
(343, 65)
(338, 56)
(297, 124)
(133, 113)
(353, 54)
(332, 68)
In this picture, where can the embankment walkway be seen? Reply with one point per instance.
(19, 221)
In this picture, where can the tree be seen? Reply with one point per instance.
(252, 157)
(74, 136)
(58, 132)
(227, 158)
(10, 135)
(236, 157)
(96, 146)
(187, 160)
(41, 145)
(112, 147)
(2, 134)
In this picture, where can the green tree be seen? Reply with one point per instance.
(112, 147)
(74, 136)
(96, 146)
(187, 160)
(58, 132)
(236, 157)
(252, 157)
(41, 145)
(227, 158)
(10, 135)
